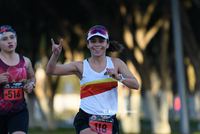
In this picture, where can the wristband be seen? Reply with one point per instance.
(123, 78)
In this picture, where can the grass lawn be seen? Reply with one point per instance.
(62, 131)
(145, 129)
(72, 131)
(57, 131)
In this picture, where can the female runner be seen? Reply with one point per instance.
(99, 76)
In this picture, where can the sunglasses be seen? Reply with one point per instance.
(99, 30)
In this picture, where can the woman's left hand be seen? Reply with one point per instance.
(28, 88)
(113, 73)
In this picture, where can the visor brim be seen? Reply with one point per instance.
(97, 34)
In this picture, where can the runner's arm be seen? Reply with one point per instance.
(65, 69)
(31, 79)
(130, 80)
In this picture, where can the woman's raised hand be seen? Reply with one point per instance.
(56, 48)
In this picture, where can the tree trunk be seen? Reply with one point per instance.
(165, 77)
(46, 122)
(197, 96)
(153, 110)
(31, 104)
(191, 48)
(164, 112)
(129, 109)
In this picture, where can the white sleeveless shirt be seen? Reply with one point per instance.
(98, 91)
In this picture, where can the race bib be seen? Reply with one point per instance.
(13, 91)
(101, 124)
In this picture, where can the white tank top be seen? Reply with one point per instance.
(98, 91)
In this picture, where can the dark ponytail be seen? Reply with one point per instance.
(114, 47)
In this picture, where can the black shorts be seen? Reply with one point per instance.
(14, 122)
(81, 122)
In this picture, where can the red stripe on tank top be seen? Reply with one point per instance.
(94, 89)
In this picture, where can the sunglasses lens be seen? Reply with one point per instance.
(99, 30)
